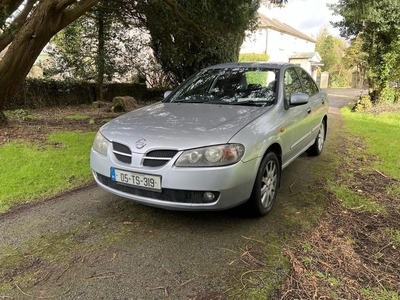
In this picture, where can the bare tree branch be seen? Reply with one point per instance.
(181, 16)
(63, 4)
(70, 15)
(8, 7)
(8, 35)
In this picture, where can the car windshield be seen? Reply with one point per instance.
(239, 86)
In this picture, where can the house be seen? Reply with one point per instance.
(282, 43)
(310, 61)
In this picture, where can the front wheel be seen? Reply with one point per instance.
(316, 148)
(266, 185)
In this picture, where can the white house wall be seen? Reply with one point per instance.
(304, 63)
(279, 46)
(255, 43)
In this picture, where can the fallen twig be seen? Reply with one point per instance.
(251, 239)
(251, 271)
(62, 273)
(166, 294)
(380, 173)
(104, 275)
(290, 187)
(41, 297)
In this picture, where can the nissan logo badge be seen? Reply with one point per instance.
(141, 143)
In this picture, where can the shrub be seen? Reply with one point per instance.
(49, 92)
(243, 57)
(363, 103)
(154, 94)
(389, 95)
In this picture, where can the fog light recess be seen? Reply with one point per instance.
(209, 196)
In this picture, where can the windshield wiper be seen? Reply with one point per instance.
(189, 101)
(246, 103)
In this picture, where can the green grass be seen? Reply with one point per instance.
(382, 135)
(352, 200)
(30, 172)
(379, 294)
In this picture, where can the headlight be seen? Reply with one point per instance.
(214, 156)
(100, 143)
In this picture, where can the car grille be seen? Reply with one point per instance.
(122, 153)
(170, 195)
(158, 158)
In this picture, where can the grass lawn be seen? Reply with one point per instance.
(382, 135)
(32, 172)
(378, 153)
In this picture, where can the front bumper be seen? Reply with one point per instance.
(181, 188)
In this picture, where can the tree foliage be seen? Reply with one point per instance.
(332, 50)
(377, 23)
(95, 47)
(207, 31)
(194, 34)
(356, 59)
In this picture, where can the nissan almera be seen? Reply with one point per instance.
(218, 140)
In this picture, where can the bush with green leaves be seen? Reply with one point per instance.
(248, 57)
(363, 103)
(38, 93)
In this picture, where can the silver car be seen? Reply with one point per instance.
(218, 140)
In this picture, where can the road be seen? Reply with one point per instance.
(90, 244)
(340, 97)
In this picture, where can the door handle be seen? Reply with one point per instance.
(308, 110)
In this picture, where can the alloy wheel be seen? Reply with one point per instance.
(269, 183)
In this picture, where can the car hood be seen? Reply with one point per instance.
(180, 125)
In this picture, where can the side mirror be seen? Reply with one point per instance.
(166, 94)
(298, 99)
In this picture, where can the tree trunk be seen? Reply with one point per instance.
(46, 20)
(100, 55)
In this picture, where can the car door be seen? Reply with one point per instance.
(296, 130)
(317, 102)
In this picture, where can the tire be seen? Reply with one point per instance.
(265, 186)
(318, 146)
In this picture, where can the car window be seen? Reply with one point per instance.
(309, 84)
(245, 85)
(198, 86)
(236, 86)
(291, 83)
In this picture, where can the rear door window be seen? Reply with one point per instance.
(310, 87)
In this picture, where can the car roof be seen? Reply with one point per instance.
(260, 64)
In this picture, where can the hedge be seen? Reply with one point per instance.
(249, 57)
(38, 93)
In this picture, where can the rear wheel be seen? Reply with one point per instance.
(266, 185)
(316, 148)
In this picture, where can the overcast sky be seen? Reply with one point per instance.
(308, 16)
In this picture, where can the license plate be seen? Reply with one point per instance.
(145, 181)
